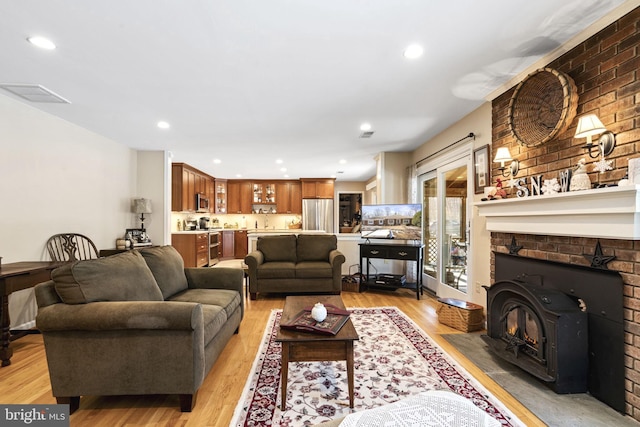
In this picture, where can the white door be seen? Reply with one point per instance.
(429, 188)
(445, 205)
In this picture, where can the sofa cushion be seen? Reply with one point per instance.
(314, 247)
(214, 318)
(313, 270)
(228, 299)
(278, 248)
(276, 270)
(167, 266)
(121, 277)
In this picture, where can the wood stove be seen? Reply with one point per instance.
(561, 323)
(541, 330)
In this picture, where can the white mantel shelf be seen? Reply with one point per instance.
(607, 213)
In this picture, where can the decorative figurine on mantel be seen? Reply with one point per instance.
(498, 192)
(580, 180)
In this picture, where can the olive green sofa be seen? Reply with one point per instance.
(290, 264)
(136, 323)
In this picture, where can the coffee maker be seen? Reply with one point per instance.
(204, 223)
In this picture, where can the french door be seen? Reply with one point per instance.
(446, 221)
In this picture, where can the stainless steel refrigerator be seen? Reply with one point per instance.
(317, 214)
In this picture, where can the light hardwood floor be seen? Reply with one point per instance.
(26, 380)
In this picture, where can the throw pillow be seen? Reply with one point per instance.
(314, 247)
(278, 248)
(167, 266)
(122, 277)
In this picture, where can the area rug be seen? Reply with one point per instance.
(394, 358)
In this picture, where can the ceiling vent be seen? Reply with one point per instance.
(366, 134)
(34, 93)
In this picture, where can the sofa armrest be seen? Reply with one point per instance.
(215, 278)
(336, 258)
(120, 315)
(254, 259)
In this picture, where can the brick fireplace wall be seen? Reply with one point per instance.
(606, 70)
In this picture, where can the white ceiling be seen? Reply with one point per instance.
(252, 81)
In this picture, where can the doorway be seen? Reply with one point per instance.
(349, 212)
(445, 194)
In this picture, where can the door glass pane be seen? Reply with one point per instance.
(430, 226)
(455, 233)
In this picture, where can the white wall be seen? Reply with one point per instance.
(153, 167)
(56, 177)
(479, 270)
(392, 182)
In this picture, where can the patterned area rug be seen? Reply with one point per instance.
(394, 358)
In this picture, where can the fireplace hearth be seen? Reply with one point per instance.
(561, 323)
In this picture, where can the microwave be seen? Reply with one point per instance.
(202, 203)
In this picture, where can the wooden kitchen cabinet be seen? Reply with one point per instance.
(264, 193)
(289, 197)
(186, 182)
(220, 196)
(193, 247)
(313, 188)
(240, 244)
(228, 244)
(239, 196)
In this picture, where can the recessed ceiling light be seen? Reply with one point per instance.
(286, 176)
(163, 125)
(413, 51)
(279, 161)
(41, 42)
(342, 161)
(283, 169)
(217, 161)
(365, 127)
(238, 175)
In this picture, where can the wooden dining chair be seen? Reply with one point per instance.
(71, 247)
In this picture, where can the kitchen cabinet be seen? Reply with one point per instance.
(264, 193)
(228, 244)
(220, 196)
(186, 182)
(240, 243)
(289, 197)
(193, 247)
(239, 196)
(313, 188)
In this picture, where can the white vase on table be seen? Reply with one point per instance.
(319, 312)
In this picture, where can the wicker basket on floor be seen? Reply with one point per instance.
(461, 315)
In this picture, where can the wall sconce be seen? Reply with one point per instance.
(503, 155)
(589, 125)
(142, 206)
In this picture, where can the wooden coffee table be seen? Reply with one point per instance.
(311, 347)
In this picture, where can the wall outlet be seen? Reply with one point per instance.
(478, 287)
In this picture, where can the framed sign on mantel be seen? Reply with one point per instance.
(481, 176)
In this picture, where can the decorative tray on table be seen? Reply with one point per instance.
(331, 325)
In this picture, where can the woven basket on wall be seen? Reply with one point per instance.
(543, 105)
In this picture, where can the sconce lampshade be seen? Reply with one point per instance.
(589, 125)
(502, 155)
(142, 206)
